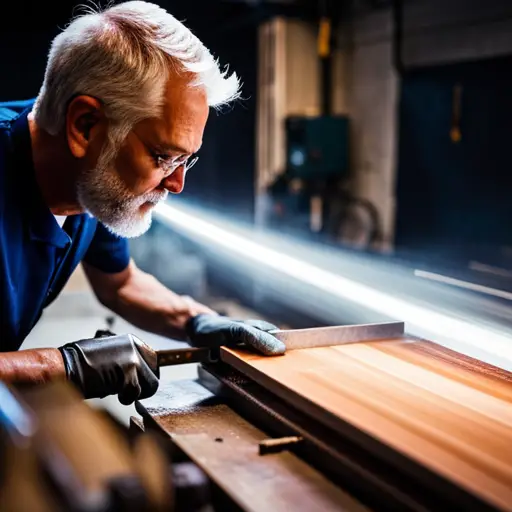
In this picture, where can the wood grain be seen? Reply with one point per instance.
(448, 412)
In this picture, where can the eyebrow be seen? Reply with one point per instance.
(178, 149)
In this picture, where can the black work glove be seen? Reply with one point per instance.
(214, 331)
(121, 365)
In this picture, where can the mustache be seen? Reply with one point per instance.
(154, 196)
(122, 205)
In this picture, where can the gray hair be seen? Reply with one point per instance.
(123, 57)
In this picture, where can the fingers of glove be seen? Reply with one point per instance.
(139, 382)
(259, 340)
(138, 379)
(209, 323)
(205, 324)
(148, 382)
(262, 325)
(208, 330)
(131, 388)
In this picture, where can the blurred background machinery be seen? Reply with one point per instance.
(312, 195)
(57, 453)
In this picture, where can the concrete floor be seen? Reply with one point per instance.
(76, 314)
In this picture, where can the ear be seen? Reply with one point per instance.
(85, 121)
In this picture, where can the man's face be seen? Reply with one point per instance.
(122, 190)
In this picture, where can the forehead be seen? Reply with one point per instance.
(183, 118)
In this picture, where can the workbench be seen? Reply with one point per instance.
(225, 445)
(261, 453)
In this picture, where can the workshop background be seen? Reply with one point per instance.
(372, 133)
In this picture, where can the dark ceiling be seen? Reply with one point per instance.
(201, 14)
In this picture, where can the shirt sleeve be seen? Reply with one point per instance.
(107, 252)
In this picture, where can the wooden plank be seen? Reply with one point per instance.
(237, 468)
(451, 414)
(226, 447)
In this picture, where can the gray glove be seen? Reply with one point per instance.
(115, 365)
(214, 331)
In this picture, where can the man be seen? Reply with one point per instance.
(115, 127)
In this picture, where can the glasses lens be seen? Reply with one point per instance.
(191, 163)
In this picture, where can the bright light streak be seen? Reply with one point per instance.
(490, 269)
(464, 284)
(456, 333)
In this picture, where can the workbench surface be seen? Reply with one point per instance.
(227, 447)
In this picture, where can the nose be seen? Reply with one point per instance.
(175, 182)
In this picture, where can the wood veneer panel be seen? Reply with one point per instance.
(448, 412)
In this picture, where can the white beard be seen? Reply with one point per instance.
(104, 195)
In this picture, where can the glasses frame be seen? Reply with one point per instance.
(170, 168)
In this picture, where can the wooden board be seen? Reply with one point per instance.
(448, 412)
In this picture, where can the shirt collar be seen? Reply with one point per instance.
(42, 225)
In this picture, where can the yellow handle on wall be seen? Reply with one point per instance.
(324, 37)
(455, 133)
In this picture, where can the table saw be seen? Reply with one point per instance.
(386, 422)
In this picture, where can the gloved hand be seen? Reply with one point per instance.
(214, 331)
(121, 365)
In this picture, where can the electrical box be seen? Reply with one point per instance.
(317, 147)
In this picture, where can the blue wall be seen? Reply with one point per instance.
(456, 197)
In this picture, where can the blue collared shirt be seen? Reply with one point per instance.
(37, 256)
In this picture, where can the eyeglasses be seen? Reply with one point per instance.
(168, 166)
